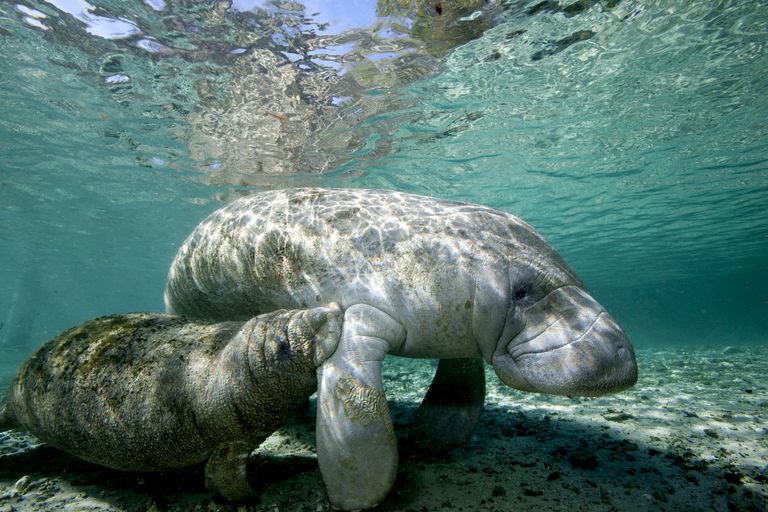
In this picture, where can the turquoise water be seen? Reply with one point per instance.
(632, 134)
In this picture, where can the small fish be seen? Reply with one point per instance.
(279, 117)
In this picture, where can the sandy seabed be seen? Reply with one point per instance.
(692, 435)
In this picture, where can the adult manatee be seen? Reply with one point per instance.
(415, 277)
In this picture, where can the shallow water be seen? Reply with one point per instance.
(632, 134)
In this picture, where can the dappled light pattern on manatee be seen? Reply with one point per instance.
(416, 277)
(421, 260)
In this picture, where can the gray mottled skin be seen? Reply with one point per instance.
(416, 277)
(150, 392)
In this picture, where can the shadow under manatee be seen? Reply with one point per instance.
(514, 461)
(48, 468)
(50, 471)
(517, 461)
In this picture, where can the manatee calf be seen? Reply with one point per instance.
(415, 277)
(151, 392)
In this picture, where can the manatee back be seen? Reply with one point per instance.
(425, 262)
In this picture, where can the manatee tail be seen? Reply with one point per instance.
(7, 422)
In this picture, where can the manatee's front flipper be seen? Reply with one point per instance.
(225, 471)
(451, 409)
(356, 446)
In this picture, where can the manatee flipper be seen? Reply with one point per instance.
(452, 406)
(356, 445)
(225, 471)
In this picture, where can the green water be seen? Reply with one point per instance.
(632, 134)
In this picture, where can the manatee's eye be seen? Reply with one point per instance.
(522, 292)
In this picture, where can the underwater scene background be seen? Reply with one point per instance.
(632, 134)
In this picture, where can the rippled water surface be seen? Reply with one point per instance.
(632, 134)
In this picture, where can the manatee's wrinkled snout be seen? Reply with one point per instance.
(569, 345)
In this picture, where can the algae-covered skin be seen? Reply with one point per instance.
(147, 391)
